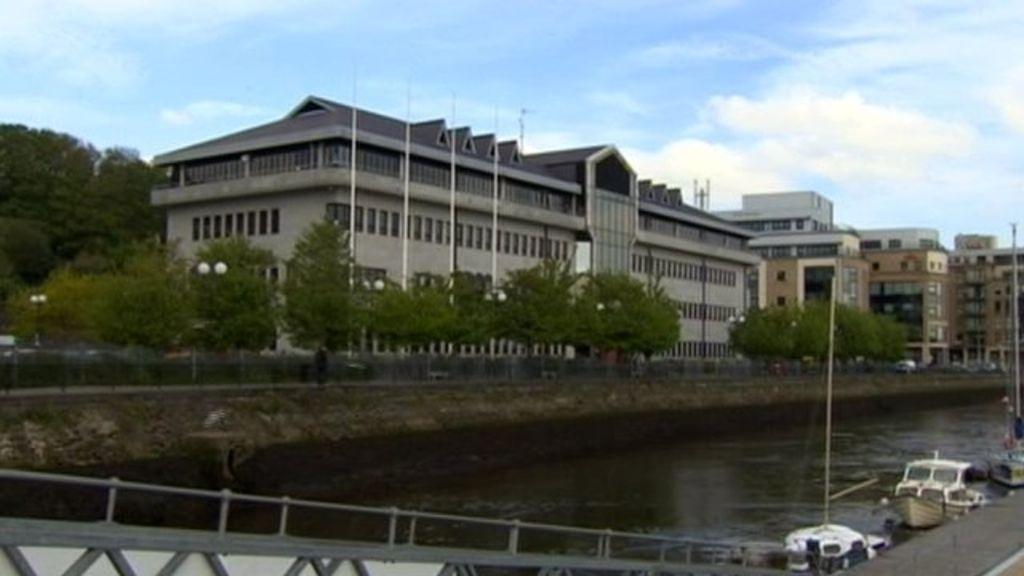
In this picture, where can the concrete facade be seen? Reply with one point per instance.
(583, 206)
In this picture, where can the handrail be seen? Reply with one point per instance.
(286, 505)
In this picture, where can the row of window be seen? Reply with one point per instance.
(665, 268)
(251, 223)
(438, 231)
(712, 312)
(692, 349)
(675, 229)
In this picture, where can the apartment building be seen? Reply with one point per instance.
(475, 205)
(910, 282)
(982, 325)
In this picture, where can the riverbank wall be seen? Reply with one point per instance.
(366, 440)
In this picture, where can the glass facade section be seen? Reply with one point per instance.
(613, 220)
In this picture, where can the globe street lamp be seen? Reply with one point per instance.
(204, 269)
(37, 301)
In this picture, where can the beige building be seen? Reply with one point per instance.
(910, 281)
(982, 326)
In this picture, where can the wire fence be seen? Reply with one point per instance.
(68, 369)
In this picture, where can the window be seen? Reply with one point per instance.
(206, 227)
(515, 244)
(439, 232)
(275, 221)
(216, 226)
(874, 266)
(359, 218)
(533, 246)
(383, 224)
(780, 275)
(340, 214)
(781, 301)
(396, 223)
(240, 224)
(417, 228)
(371, 220)
(458, 234)
(428, 229)
(487, 239)
(479, 237)
(895, 243)
(799, 224)
(903, 265)
(263, 222)
(229, 224)
(252, 223)
(195, 229)
(507, 244)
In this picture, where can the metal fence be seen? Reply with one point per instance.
(67, 369)
(95, 499)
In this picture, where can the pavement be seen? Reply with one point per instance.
(988, 541)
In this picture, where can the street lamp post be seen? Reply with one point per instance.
(497, 296)
(204, 269)
(37, 301)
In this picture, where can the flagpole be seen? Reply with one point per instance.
(405, 193)
(352, 182)
(451, 200)
(494, 209)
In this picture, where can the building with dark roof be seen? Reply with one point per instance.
(511, 210)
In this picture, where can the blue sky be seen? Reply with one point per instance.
(906, 114)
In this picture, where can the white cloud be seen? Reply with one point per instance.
(207, 110)
(843, 138)
(1008, 98)
(732, 171)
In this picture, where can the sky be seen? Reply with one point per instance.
(904, 113)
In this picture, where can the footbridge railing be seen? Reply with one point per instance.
(73, 525)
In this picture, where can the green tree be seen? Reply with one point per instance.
(766, 333)
(235, 310)
(474, 320)
(415, 317)
(147, 303)
(67, 313)
(319, 305)
(538, 308)
(617, 312)
(26, 249)
(892, 338)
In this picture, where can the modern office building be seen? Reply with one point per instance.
(910, 282)
(455, 201)
(801, 247)
(982, 326)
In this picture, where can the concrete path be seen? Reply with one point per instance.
(988, 541)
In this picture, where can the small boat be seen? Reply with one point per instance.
(830, 548)
(935, 489)
(1007, 467)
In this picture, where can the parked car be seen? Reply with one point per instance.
(905, 367)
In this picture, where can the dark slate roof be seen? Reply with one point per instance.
(670, 201)
(319, 113)
(483, 144)
(563, 156)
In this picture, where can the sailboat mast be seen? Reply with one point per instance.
(1016, 323)
(828, 387)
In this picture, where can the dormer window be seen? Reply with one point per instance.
(468, 146)
(442, 138)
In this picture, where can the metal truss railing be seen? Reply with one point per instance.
(604, 545)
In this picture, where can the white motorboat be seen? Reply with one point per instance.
(830, 548)
(935, 489)
(1007, 467)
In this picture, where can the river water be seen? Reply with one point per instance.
(754, 486)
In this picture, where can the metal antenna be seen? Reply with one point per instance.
(522, 127)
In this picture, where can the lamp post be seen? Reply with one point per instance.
(204, 269)
(37, 301)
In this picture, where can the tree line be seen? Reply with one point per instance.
(797, 333)
(154, 299)
(65, 203)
